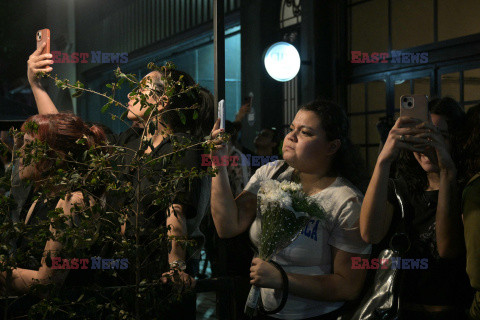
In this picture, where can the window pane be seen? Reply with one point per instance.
(357, 129)
(412, 23)
(422, 86)
(450, 85)
(471, 81)
(356, 93)
(457, 19)
(376, 95)
(369, 26)
(287, 15)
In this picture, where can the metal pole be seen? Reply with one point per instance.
(219, 50)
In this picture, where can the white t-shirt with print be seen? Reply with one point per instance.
(311, 252)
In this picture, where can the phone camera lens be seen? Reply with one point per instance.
(405, 99)
(409, 104)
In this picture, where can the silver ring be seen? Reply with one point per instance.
(402, 138)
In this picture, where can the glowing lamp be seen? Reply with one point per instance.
(282, 61)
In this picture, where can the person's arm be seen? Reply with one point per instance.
(244, 110)
(40, 63)
(177, 224)
(343, 284)
(448, 223)
(21, 279)
(376, 214)
(230, 216)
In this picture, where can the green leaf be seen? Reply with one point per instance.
(77, 93)
(79, 84)
(105, 107)
(124, 115)
(183, 119)
(195, 115)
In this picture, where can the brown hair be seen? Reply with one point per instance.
(61, 132)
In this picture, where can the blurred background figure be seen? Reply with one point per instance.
(470, 172)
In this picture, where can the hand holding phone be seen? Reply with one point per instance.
(221, 113)
(40, 59)
(43, 36)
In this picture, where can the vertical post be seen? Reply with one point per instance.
(219, 50)
(219, 83)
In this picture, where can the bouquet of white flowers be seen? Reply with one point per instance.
(284, 211)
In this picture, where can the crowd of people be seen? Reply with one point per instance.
(433, 165)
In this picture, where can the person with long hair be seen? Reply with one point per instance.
(470, 172)
(168, 128)
(426, 180)
(318, 264)
(59, 133)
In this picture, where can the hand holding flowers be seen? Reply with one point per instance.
(264, 275)
(284, 211)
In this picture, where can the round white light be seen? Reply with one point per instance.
(282, 61)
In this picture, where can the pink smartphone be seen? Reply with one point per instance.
(43, 36)
(414, 106)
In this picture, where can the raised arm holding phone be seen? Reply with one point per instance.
(318, 262)
(42, 62)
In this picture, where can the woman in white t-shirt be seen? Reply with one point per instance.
(318, 263)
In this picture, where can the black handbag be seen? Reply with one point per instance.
(381, 302)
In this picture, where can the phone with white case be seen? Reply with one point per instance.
(221, 113)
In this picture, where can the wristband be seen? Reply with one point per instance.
(284, 291)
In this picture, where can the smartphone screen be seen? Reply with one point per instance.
(43, 36)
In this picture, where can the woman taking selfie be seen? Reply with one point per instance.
(166, 129)
(318, 263)
(427, 183)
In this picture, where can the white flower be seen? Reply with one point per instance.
(290, 186)
(271, 194)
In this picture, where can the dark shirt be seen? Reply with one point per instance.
(29, 251)
(152, 205)
(444, 281)
(126, 137)
(186, 194)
